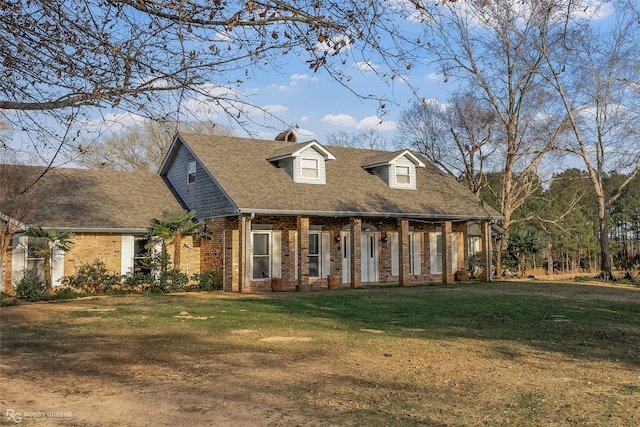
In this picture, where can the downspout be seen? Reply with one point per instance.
(247, 240)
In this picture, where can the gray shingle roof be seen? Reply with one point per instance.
(241, 168)
(83, 199)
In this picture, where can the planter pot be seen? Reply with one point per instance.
(462, 276)
(276, 284)
(333, 281)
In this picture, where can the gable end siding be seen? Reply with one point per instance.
(204, 195)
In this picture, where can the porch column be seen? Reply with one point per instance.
(403, 252)
(486, 251)
(447, 276)
(244, 245)
(303, 253)
(356, 248)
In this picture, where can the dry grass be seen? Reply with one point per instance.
(499, 354)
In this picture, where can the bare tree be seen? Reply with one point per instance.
(369, 139)
(596, 78)
(139, 148)
(66, 61)
(491, 46)
(457, 137)
(19, 197)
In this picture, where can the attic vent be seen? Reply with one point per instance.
(287, 135)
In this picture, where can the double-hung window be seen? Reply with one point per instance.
(309, 168)
(261, 256)
(403, 175)
(35, 262)
(191, 172)
(435, 248)
(314, 255)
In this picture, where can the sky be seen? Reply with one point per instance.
(313, 104)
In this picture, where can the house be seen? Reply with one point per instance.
(109, 213)
(300, 213)
(296, 213)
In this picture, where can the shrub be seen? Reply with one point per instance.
(172, 280)
(93, 278)
(31, 288)
(207, 280)
(137, 282)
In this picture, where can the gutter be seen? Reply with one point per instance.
(362, 214)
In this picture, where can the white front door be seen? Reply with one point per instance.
(369, 257)
(346, 256)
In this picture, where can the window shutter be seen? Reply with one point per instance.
(325, 251)
(126, 255)
(57, 266)
(433, 253)
(276, 254)
(395, 261)
(18, 258)
(454, 252)
(417, 253)
(295, 254)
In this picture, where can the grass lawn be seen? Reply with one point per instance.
(495, 354)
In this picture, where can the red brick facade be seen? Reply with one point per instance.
(225, 252)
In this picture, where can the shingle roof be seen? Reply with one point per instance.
(240, 167)
(83, 199)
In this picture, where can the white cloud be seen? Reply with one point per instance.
(295, 78)
(334, 45)
(339, 120)
(435, 76)
(365, 66)
(375, 122)
(304, 119)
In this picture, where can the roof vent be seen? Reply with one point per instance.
(287, 135)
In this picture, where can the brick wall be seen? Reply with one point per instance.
(88, 247)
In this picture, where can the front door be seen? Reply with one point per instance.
(346, 256)
(369, 257)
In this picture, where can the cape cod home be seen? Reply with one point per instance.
(300, 214)
(109, 213)
(303, 213)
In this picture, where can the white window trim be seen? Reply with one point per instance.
(269, 256)
(316, 169)
(191, 170)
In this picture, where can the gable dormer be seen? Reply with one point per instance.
(397, 169)
(304, 162)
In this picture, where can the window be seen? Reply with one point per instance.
(314, 255)
(435, 248)
(309, 168)
(411, 252)
(261, 256)
(141, 256)
(403, 175)
(191, 172)
(35, 261)
(473, 245)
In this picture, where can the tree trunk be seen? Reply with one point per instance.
(177, 246)
(47, 274)
(606, 262)
(4, 247)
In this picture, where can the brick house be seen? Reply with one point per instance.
(108, 211)
(301, 213)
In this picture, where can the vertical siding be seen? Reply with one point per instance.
(403, 161)
(204, 196)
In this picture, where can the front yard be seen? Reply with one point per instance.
(495, 354)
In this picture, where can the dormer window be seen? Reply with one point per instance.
(304, 162)
(310, 168)
(397, 169)
(403, 175)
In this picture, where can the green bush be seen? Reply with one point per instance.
(172, 280)
(31, 288)
(207, 280)
(93, 278)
